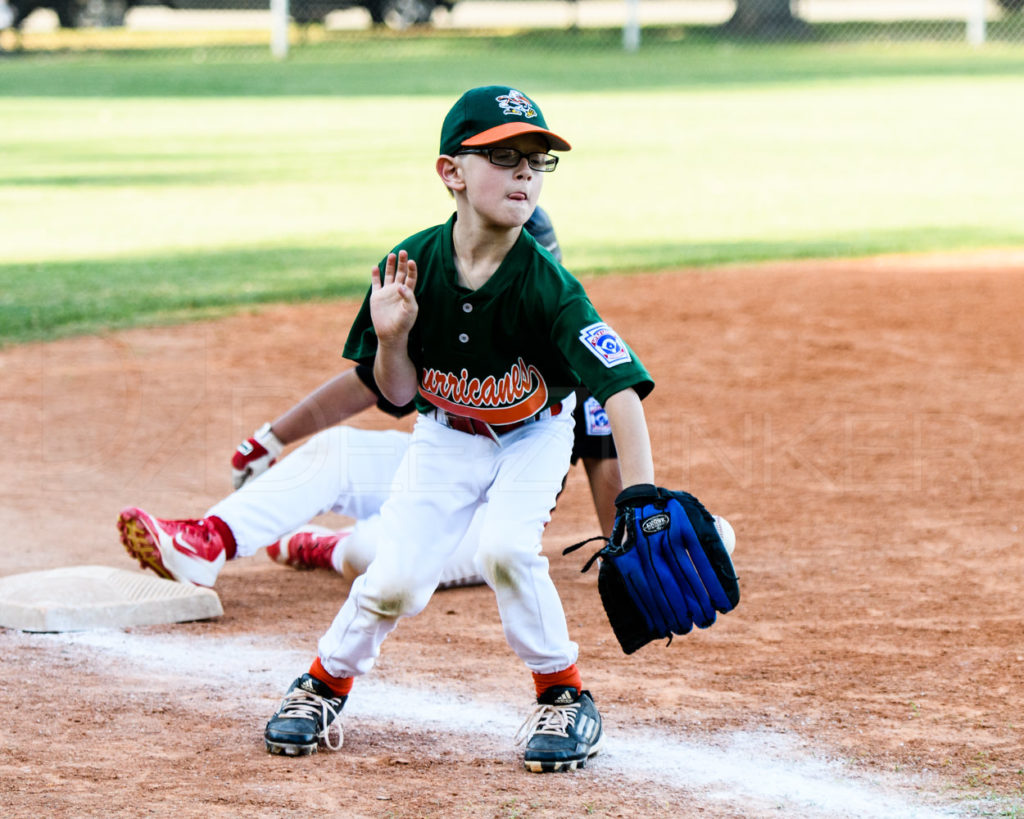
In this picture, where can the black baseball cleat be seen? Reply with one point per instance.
(309, 713)
(563, 731)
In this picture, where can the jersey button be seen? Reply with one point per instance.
(467, 307)
(463, 337)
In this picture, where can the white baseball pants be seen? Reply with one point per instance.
(445, 478)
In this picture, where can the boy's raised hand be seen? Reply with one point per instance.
(393, 306)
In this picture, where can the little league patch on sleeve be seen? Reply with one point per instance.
(605, 343)
(596, 418)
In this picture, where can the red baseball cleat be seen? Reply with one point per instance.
(309, 547)
(189, 551)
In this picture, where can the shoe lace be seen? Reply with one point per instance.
(299, 704)
(548, 719)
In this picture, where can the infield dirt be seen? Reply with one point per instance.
(858, 422)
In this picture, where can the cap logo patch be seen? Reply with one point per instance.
(515, 104)
(605, 343)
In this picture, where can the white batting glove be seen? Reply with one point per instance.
(255, 455)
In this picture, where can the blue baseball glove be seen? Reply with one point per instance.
(666, 567)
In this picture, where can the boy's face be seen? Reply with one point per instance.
(505, 197)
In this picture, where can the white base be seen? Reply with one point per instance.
(79, 598)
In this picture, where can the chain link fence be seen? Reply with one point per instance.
(286, 26)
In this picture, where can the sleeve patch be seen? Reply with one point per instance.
(596, 418)
(605, 343)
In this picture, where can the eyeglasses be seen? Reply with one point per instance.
(510, 158)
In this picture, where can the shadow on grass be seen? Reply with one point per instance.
(106, 180)
(58, 299)
(595, 259)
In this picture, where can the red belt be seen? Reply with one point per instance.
(471, 426)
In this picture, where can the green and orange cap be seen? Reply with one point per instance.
(491, 113)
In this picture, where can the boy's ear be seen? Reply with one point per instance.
(450, 172)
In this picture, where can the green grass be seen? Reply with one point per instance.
(138, 188)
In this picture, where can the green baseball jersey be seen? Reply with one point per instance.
(518, 344)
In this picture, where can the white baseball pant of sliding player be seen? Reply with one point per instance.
(344, 470)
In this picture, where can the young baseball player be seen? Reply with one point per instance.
(488, 335)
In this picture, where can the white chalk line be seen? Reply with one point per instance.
(764, 767)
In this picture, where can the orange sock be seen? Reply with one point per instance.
(339, 685)
(570, 676)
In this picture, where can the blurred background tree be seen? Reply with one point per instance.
(761, 18)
